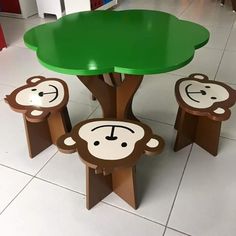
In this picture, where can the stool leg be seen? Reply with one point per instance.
(234, 5)
(38, 136)
(124, 184)
(98, 187)
(59, 124)
(177, 120)
(187, 124)
(207, 134)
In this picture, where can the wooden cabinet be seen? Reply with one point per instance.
(18, 8)
(72, 6)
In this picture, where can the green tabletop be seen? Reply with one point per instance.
(132, 42)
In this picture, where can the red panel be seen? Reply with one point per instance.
(2, 39)
(96, 4)
(11, 6)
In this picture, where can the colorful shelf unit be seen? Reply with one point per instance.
(18, 8)
(72, 6)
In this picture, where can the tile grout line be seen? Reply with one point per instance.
(177, 191)
(33, 177)
(106, 203)
(11, 168)
(221, 59)
(191, 3)
(176, 230)
(16, 196)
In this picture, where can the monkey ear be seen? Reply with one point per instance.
(66, 144)
(36, 115)
(154, 146)
(34, 79)
(198, 76)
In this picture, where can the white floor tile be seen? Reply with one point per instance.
(66, 170)
(218, 37)
(5, 90)
(45, 209)
(206, 61)
(170, 232)
(17, 65)
(13, 144)
(155, 98)
(231, 44)
(205, 202)
(210, 13)
(227, 70)
(11, 183)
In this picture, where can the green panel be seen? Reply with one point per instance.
(132, 42)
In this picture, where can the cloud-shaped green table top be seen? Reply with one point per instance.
(131, 42)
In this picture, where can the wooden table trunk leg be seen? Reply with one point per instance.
(124, 96)
(208, 134)
(187, 125)
(105, 94)
(38, 136)
(59, 124)
(124, 184)
(98, 187)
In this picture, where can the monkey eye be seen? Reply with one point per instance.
(213, 98)
(207, 86)
(124, 144)
(96, 143)
(33, 89)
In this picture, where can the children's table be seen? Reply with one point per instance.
(124, 44)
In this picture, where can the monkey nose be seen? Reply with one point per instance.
(40, 94)
(203, 92)
(111, 138)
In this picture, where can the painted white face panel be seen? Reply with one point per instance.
(111, 140)
(202, 95)
(49, 93)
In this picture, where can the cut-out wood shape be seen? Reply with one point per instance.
(203, 105)
(43, 105)
(110, 150)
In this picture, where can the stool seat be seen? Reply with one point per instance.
(110, 150)
(203, 105)
(42, 101)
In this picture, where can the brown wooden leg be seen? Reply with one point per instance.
(177, 120)
(187, 125)
(38, 136)
(98, 187)
(115, 101)
(207, 134)
(124, 95)
(234, 4)
(124, 185)
(59, 124)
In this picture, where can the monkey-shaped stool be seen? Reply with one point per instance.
(110, 150)
(42, 101)
(203, 105)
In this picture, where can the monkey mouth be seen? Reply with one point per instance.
(41, 94)
(202, 92)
